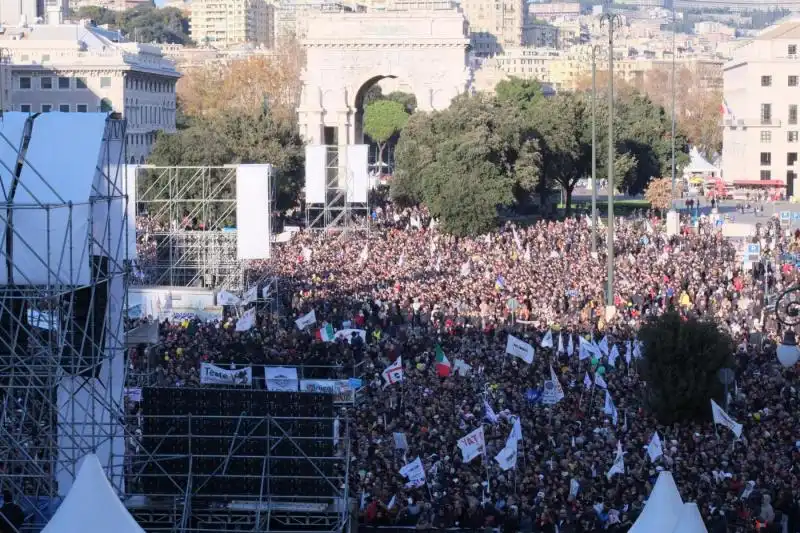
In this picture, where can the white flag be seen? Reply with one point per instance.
(612, 357)
(364, 255)
(723, 418)
(654, 449)
(414, 472)
(402, 260)
(570, 346)
(226, 298)
(251, 295)
(628, 351)
(520, 348)
(472, 445)
(600, 382)
(309, 319)
(507, 458)
(247, 320)
(603, 346)
(574, 487)
(547, 340)
(610, 409)
(619, 463)
(489, 413)
(587, 349)
(561, 348)
(461, 368)
(587, 381)
(394, 372)
(516, 432)
(553, 391)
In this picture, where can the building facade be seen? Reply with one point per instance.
(495, 25)
(224, 23)
(75, 68)
(761, 88)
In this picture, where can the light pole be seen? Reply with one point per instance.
(594, 149)
(673, 103)
(610, 19)
(787, 311)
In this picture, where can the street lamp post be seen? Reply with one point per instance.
(610, 19)
(594, 149)
(673, 102)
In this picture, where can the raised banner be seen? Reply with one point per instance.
(340, 388)
(281, 379)
(214, 375)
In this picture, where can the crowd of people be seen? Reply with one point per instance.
(416, 292)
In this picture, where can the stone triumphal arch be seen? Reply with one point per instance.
(346, 53)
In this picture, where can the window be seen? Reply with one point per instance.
(792, 136)
(24, 82)
(105, 82)
(766, 136)
(46, 82)
(24, 58)
(46, 108)
(791, 50)
(82, 108)
(63, 108)
(766, 113)
(80, 83)
(105, 106)
(792, 81)
(766, 175)
(25, 108)
(791, 158)
(766, 81)
(45, 58)
(793, 114)
(63, 83)
(766, 158)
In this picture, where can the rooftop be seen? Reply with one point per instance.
(789, 29)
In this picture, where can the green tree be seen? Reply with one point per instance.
(382, 120)
(521, 93)
(681, 360)
(465, 162)
(147, 23)
(408, 100)
(99, 15)
(238, 137)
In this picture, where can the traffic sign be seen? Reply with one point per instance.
(786, 218)
(753, 253)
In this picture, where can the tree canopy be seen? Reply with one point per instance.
(382, 120)
(465, 162)
(527, 142)
(682, 358)
(144, 23)
(237, 136)
(659, 193)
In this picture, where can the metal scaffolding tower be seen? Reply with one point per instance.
(62, 296)
(186, 220)
(338, 213)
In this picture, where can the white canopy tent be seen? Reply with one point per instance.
(663, 507)
(699, 166)
(92, 506)
(690, 520)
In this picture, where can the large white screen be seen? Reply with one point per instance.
(315, 173)
(51, 245)
(252, 211)
(358, 183)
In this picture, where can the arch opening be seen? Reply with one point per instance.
(392, 88)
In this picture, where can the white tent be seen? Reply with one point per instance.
(698, 165)
(663, 507)
(690, 520)
(92, 505)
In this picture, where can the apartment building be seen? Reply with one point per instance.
(224, 23)
(113, 5)
(78, 68)
(495, 25)
(761, 87)
(554, 9)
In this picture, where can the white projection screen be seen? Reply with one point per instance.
(315, 173)
(358, 173)
(253, 211)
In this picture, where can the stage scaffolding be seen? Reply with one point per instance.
(337, 213)
(64, 275)
(201, 469)
(186, 227)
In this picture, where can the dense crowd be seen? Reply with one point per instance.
(413, 289)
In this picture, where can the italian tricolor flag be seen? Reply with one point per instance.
(442, 363)
(326, 333)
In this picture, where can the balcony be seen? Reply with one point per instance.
(752, 123)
